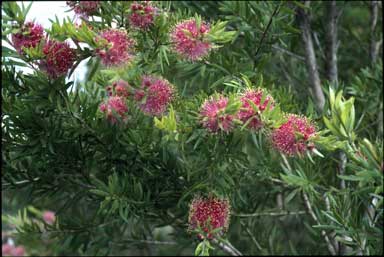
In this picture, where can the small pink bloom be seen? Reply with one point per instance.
(115, 106)
(121, 88)
(59, 58)
(213, 116)
(143, 14)
(209, 214)
(155, 95)
(292, 138)
(18, 251)
(247, 111)
(30, 36)
(6, 249)
(84, 8)
(49, 217)
(189, 41)
(117, 49)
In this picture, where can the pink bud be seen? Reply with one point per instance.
(49, 217)
(18, 251)
(6, 249)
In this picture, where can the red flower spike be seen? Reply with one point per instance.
(84, 8)
(143, 14)
(292, 138)
(247, 111)
(30, 36)
(213, 117)
(209, 214)
(59, 58)
(118, 49)
(155, 95)
(114, 105)
(189, 40)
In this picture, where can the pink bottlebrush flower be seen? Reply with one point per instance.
(209, 214)
(6, 249)
(18, 251)
(247, 111)
(84, 8)
(292, 138)
(30, 35)
(117, 49)
(189, 41)
(59, 58)
(213, 116)
(155, 95)
(49, 217)
(121, 88)
(143, 14)
(115, 105)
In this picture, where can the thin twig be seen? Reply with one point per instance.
(299, 57)
(227, 247)
(272, 214)
(266, 29)
(21, 182)
(308, 205)
(146, 242)
(251, 236)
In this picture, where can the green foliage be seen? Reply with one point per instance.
(125, 188)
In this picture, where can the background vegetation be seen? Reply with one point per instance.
(124, 191)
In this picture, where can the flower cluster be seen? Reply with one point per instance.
(208, 214)
(116, 48)
(58, 58)
(30, 36)
(292, 137)
(84, 8)
(155, 95)
(10, 250)
(119, 88)
(213, 115)
(115, 107)
(142, 16)
(190, 41)
(247, 113)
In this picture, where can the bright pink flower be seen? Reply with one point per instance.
(6, 249)
(155, 95)
(18, 251)
(213, 116)
(30, 35)
(49, 217)
(292, 138)
(84, 8)
(117, 48)
(189, 41)
(59, 58)
(142, 14)
(247, 112)
(115, 106)
(209, 214)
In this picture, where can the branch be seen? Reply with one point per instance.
(310, 57)
(20, 182)
(308, 205)
(271, 214)
(299, 57)
(227, 247)
(251, 236)
(331, 42)
(266, 29)
(374, 45)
